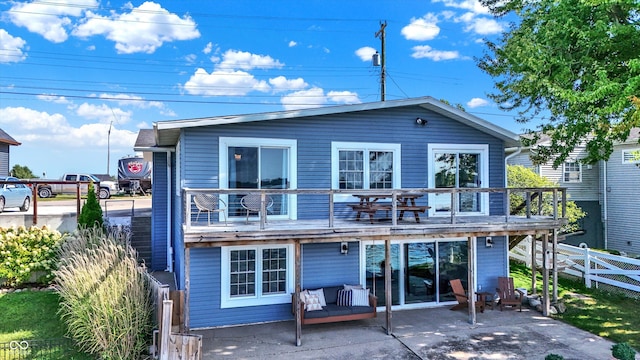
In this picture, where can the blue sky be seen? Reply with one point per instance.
(70, 70)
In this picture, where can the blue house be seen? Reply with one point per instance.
(413, 188)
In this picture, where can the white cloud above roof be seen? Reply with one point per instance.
(223, 83)
(281, 83)
(103, 113)
(427, 52)
(11, 48)
(304, 99)
(365, 53)
(343, 97)
(422, 29)
(142, 30)
(477, 102)
(244, 60)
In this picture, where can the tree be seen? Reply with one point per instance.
(91, 213)
(22, 172)
(577, 59)
(519, 176)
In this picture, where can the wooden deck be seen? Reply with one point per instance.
(344, 230)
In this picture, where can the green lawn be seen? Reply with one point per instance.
(32, 315)
(612, 316)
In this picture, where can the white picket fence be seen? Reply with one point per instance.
(611, 272)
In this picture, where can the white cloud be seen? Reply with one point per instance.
(292, 43)
(191, 58)
(132, 100)
(143, 29)
(223, 83)
(425, 51)
(207, 49)
(484, 26)
(343, 97)
(54, 99)
(11, 48)
(477, 102)
(49, 19)
(365, 53)
(471, 5)
(421, 29)
(281, 83)
(243, 60)
(303, 99)
(30, 120)
(103, 113)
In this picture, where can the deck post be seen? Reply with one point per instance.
(534, 264)
(545, 275)
(187, 285)
(297, 295)
(471, 250)
(387, 282)
(554, 270)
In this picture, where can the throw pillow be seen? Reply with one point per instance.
(360, 297)
(344, 298)
(303, 295)
(320, 293)
(312, 303)
(349, 287)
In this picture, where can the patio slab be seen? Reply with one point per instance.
(435, 333)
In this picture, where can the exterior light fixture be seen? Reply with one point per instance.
(421, 121)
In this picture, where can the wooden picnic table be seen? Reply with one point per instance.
(405, 202)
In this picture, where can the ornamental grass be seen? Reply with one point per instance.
(105, 295)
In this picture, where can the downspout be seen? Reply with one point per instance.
(605, 216)
(169, 207)
(506, 159)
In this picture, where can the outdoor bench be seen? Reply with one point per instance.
(372, 208)
(333, 312)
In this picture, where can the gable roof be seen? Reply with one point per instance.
(167, 132)
(7, 139)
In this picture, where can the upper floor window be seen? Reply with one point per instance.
(363, 166)
(256, 275)
(631, 156)
(572, 172)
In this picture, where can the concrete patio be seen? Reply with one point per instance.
(417, 334)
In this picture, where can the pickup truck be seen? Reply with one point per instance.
(46, 190)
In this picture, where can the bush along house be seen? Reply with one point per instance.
(397, 197)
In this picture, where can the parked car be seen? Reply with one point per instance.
(14, 195)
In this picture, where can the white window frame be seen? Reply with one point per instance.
(223, 151)
(628, 156)
(337, 146)
(226, 301)
(483, 151)
(564, 172)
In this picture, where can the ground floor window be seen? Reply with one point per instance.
(420, 271)
(256, 275)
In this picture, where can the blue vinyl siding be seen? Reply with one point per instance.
(159, 220)
(324, 265)
(4, 160)
(314, 135)
(491, 262)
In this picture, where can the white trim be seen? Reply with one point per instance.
(292, 145)
(631, 156)
(483, 151)
(226, 301)
(564, 172)
(337, 146)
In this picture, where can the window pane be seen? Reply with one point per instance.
(351, 169)
(242, 273)
(572, 172)
(274, 271)
(381, 170)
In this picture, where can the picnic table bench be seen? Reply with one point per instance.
(406, 202)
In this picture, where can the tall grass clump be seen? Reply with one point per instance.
(105, 295)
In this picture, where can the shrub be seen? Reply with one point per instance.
(623, 351)
(91, 213)
(105, 296)
(554, 357)
(28, 255)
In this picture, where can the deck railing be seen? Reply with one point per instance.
(330, 205)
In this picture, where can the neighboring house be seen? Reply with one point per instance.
(582, 183)
(309, 163)
(620, 196)
(607, 191)
(6, 141)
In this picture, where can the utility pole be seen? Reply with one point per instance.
(383, 86)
